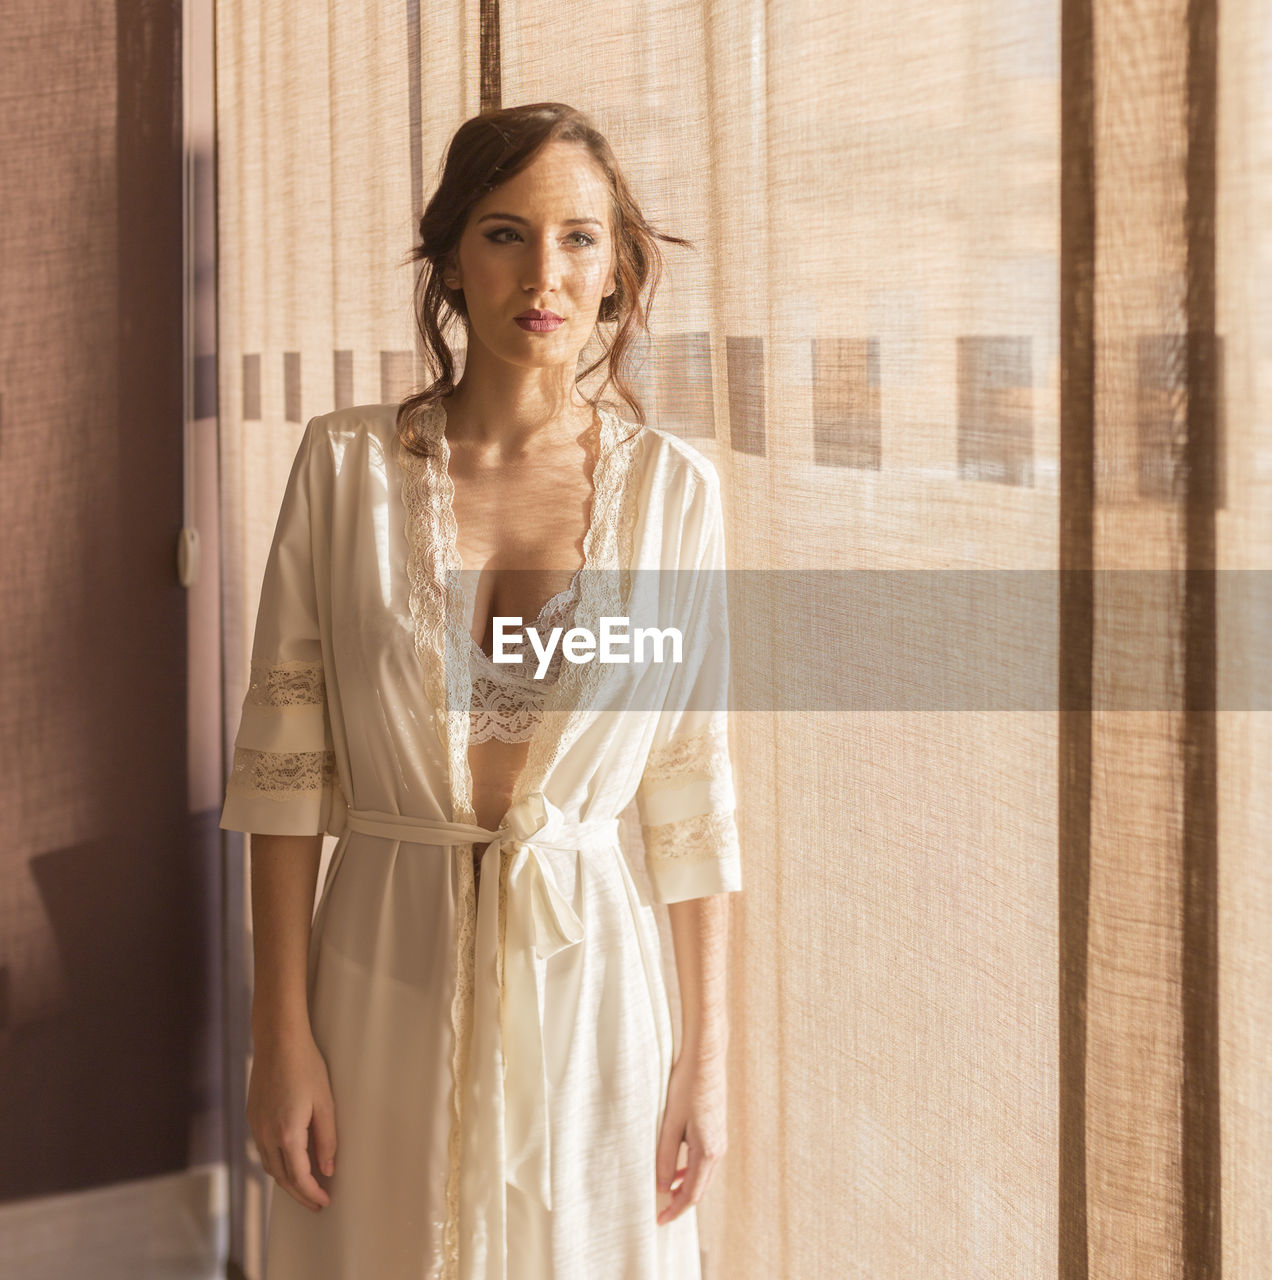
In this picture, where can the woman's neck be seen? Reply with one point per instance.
(482, 413)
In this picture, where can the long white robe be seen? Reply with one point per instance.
(499, 1067)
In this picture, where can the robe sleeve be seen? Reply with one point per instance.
(283, 780)
(686, 798)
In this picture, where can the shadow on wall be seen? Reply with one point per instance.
(119, 1082)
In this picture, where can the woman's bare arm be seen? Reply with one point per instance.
(284, 879)
(289, 1103)
(700, 933)
(695, 1110)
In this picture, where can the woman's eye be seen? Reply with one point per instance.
(587, 239)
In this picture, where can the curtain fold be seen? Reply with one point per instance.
(977, 288)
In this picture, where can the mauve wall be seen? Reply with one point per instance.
(109, 887)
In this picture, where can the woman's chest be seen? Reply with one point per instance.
(520, 535)
(422, 559)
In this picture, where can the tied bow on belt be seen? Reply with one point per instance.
(507, 1095)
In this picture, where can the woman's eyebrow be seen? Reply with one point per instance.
(512, 217)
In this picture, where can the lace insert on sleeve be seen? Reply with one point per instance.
(281, 775)
(706, 838)
(287, 684)
(697, 768)
(701, 756)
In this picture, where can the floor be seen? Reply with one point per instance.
(171, 1228)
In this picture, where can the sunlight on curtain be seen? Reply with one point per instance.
(868, 346)
(871, 328)
(1244, 526)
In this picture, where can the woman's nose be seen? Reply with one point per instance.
(543, 267)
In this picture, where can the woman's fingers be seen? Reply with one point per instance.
(324, 1135)
(264, 1149)
(299, 1182)
(291, 1170)
(668, 1150)
(689, 1192)
(291, 1114)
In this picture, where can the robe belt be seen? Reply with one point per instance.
(539, 922)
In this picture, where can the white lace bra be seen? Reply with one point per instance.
(507, 700)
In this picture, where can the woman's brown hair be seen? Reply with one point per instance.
(486, 152)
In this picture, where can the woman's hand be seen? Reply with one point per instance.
(288, 1093)
(694, 1114)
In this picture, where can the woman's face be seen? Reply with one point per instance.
(539, 242)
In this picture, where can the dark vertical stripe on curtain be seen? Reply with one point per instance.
(414, 94)
(1200, 1103)
(491, 88)
(1077, 619)
(1201, 1171)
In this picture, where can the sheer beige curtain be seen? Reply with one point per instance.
(872, 328)
(978, 287)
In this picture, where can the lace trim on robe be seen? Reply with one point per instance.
(443, 644)
(703, 756)
(702, 839)
(287, 684)
(431, 564)
(283, 775)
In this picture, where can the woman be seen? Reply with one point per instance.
(463, 1066)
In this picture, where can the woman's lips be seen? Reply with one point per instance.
(536, 325)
